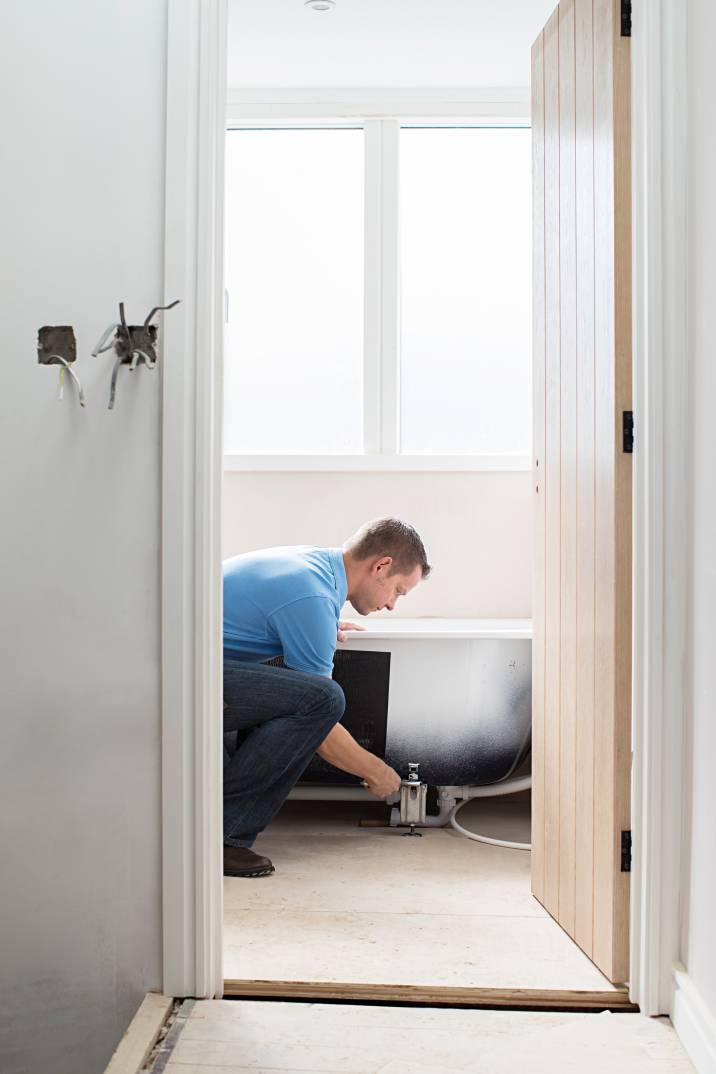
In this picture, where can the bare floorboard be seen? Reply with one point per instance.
(235, 1037)
(351, 907)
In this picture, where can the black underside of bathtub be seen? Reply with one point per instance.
(487, 752)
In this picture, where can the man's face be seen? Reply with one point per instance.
(377, 589)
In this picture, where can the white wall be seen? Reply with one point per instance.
(477, 528)
(81, 191)
(699, 881)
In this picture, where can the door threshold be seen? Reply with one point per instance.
(433, 995)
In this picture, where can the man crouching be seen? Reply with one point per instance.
(287, 602)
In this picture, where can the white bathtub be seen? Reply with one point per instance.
(460, 695)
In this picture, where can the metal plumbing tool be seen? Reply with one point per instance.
(413, 795)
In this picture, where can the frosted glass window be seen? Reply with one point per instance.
(465, 217)
(293, 377)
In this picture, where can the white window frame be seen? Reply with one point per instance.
(381, 119)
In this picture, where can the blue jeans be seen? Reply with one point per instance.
(282, 717)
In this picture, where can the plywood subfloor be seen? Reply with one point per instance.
(367, 913)
(235, 1037)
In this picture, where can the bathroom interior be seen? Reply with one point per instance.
(378, 362)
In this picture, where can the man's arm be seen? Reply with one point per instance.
(341, 749)
(306, 629)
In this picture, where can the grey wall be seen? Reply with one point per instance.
(699, 879)
(81, 193)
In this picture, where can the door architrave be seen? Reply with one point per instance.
(191, 499)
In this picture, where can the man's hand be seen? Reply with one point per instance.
(344, 626)
(341, 749)
(382, 781)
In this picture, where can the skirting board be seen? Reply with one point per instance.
(141, 1035)
(694, 1023)
(429, 994)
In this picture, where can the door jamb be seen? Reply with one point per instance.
(191, 500)
(661, 494)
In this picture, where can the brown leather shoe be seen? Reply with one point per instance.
(240, 861)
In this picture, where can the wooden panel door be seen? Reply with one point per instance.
(582, 476)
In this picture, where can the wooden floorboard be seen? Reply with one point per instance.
(141, 1035)
(356, 991)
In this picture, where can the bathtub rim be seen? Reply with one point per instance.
(436, 629)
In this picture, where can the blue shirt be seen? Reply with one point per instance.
(285, 601)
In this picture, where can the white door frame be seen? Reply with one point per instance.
(192, 364)
(191, 484)
(661, 498)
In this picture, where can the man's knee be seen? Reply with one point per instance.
(332, 701)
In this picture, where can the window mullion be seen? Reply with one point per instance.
(373, 295)
(390, 290)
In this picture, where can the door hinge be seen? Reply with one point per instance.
(626, 18)
(626, 852)
(628, 431)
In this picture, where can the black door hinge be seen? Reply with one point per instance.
(628, 431)
(626, 852)
(626, 18)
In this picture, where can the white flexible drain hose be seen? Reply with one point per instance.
(482, 838)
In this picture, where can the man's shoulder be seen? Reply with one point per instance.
(278, 561)
(286, 573)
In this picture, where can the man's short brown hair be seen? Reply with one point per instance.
(390, 537)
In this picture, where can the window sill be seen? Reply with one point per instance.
(376, 463)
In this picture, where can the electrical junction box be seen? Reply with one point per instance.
(55, 342)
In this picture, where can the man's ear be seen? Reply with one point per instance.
(384, 564)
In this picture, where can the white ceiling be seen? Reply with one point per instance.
(383, 43)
